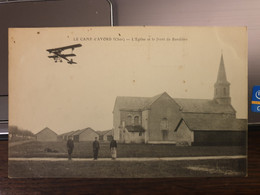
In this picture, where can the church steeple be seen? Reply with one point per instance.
(221, 94)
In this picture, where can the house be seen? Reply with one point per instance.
(86, 134)
(105, 135)
(66, 136)
(163, 119)
(46, 135)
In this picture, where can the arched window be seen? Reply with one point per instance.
(129, 120)
(136, 120)
(164, 124)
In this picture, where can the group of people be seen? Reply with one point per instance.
(96, 147)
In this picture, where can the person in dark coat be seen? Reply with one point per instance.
(95, 148)
(70, 147)
(113, 148)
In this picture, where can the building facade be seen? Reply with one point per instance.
(87, 134)
(163, 119)
(46, 135)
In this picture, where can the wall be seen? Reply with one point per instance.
(46, 135)
(88, 135)
(233, 138)
(183, 134)
(164, 107)
(145, 119)
(116, 123)
(133, 137)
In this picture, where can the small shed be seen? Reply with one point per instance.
(87, 134)
(108, 135)
(221, 132)
(66, 136)
(105, 135)
(46, 135)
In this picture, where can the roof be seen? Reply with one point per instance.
(200, 124)
(104, 132)
(133, 103)
(136, 103)
(186, 105)
(137, 128)
(45, 129)
(84, 130)
(203, 106)
(68, 133)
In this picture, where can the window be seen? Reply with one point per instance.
(129, 120)
(140, 133)
(136, 120)
(164, 124)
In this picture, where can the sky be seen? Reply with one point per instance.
(117, 61)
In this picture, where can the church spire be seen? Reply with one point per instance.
(221, 94)
(222, 78)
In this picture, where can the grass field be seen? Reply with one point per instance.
(84, 150)
(127, 169)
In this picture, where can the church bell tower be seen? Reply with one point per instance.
(222, 92)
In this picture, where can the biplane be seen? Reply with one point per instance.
(58, 55)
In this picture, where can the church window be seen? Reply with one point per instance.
(164, 124)
(129, 120)
(136, 120)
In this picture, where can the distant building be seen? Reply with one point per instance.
(46, 135)
(105, 135)
(87, 134)
(163, 119)
(66, 136)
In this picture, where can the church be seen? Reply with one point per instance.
(165, 120)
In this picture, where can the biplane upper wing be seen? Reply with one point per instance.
(60, 49)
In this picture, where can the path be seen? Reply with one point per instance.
(134, 159)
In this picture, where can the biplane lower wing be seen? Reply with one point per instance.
(62, 55)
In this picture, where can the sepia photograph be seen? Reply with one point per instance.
(128, 102)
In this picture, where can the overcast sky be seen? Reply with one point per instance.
(67, 97)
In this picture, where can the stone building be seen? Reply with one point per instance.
(163, 119)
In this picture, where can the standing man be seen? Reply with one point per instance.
(70, 147)
(95, 148)
(113, 147)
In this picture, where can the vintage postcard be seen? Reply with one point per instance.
(127, 102)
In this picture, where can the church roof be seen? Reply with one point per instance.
(200, 124)
(203, 106)
(186, 105)
(135, 103)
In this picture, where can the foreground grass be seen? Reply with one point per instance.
(127, 169)
(84, 150)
